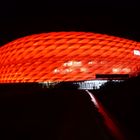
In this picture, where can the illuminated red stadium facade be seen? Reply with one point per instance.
(67, 56)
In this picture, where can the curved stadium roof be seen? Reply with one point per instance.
(67, 56)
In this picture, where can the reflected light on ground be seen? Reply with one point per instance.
(110, 123)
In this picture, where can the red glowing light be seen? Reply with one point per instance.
(67, 56)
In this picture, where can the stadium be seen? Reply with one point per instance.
(68, 56)
(88, 59)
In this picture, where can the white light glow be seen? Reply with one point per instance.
(56, 71)
(116, 70)
(72, 63)
(93, 84)
(83, 69)
(93, 99)
(136, 52)
(67, 70)
(92, 62)
(126, 70)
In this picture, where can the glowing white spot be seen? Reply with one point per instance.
(68, 70)
(116, 70)
(83, 69)
(136, 52)
(102, 62)
(56, 71)
(92, 62)
(126, 70)
(72, 63)
(65, 64)
(91, 84)
(78, 63)
(69, 63)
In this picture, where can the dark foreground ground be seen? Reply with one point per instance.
(52, 115)
(33, 113)
(122, 100)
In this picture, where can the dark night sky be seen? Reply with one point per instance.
(119, 17)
